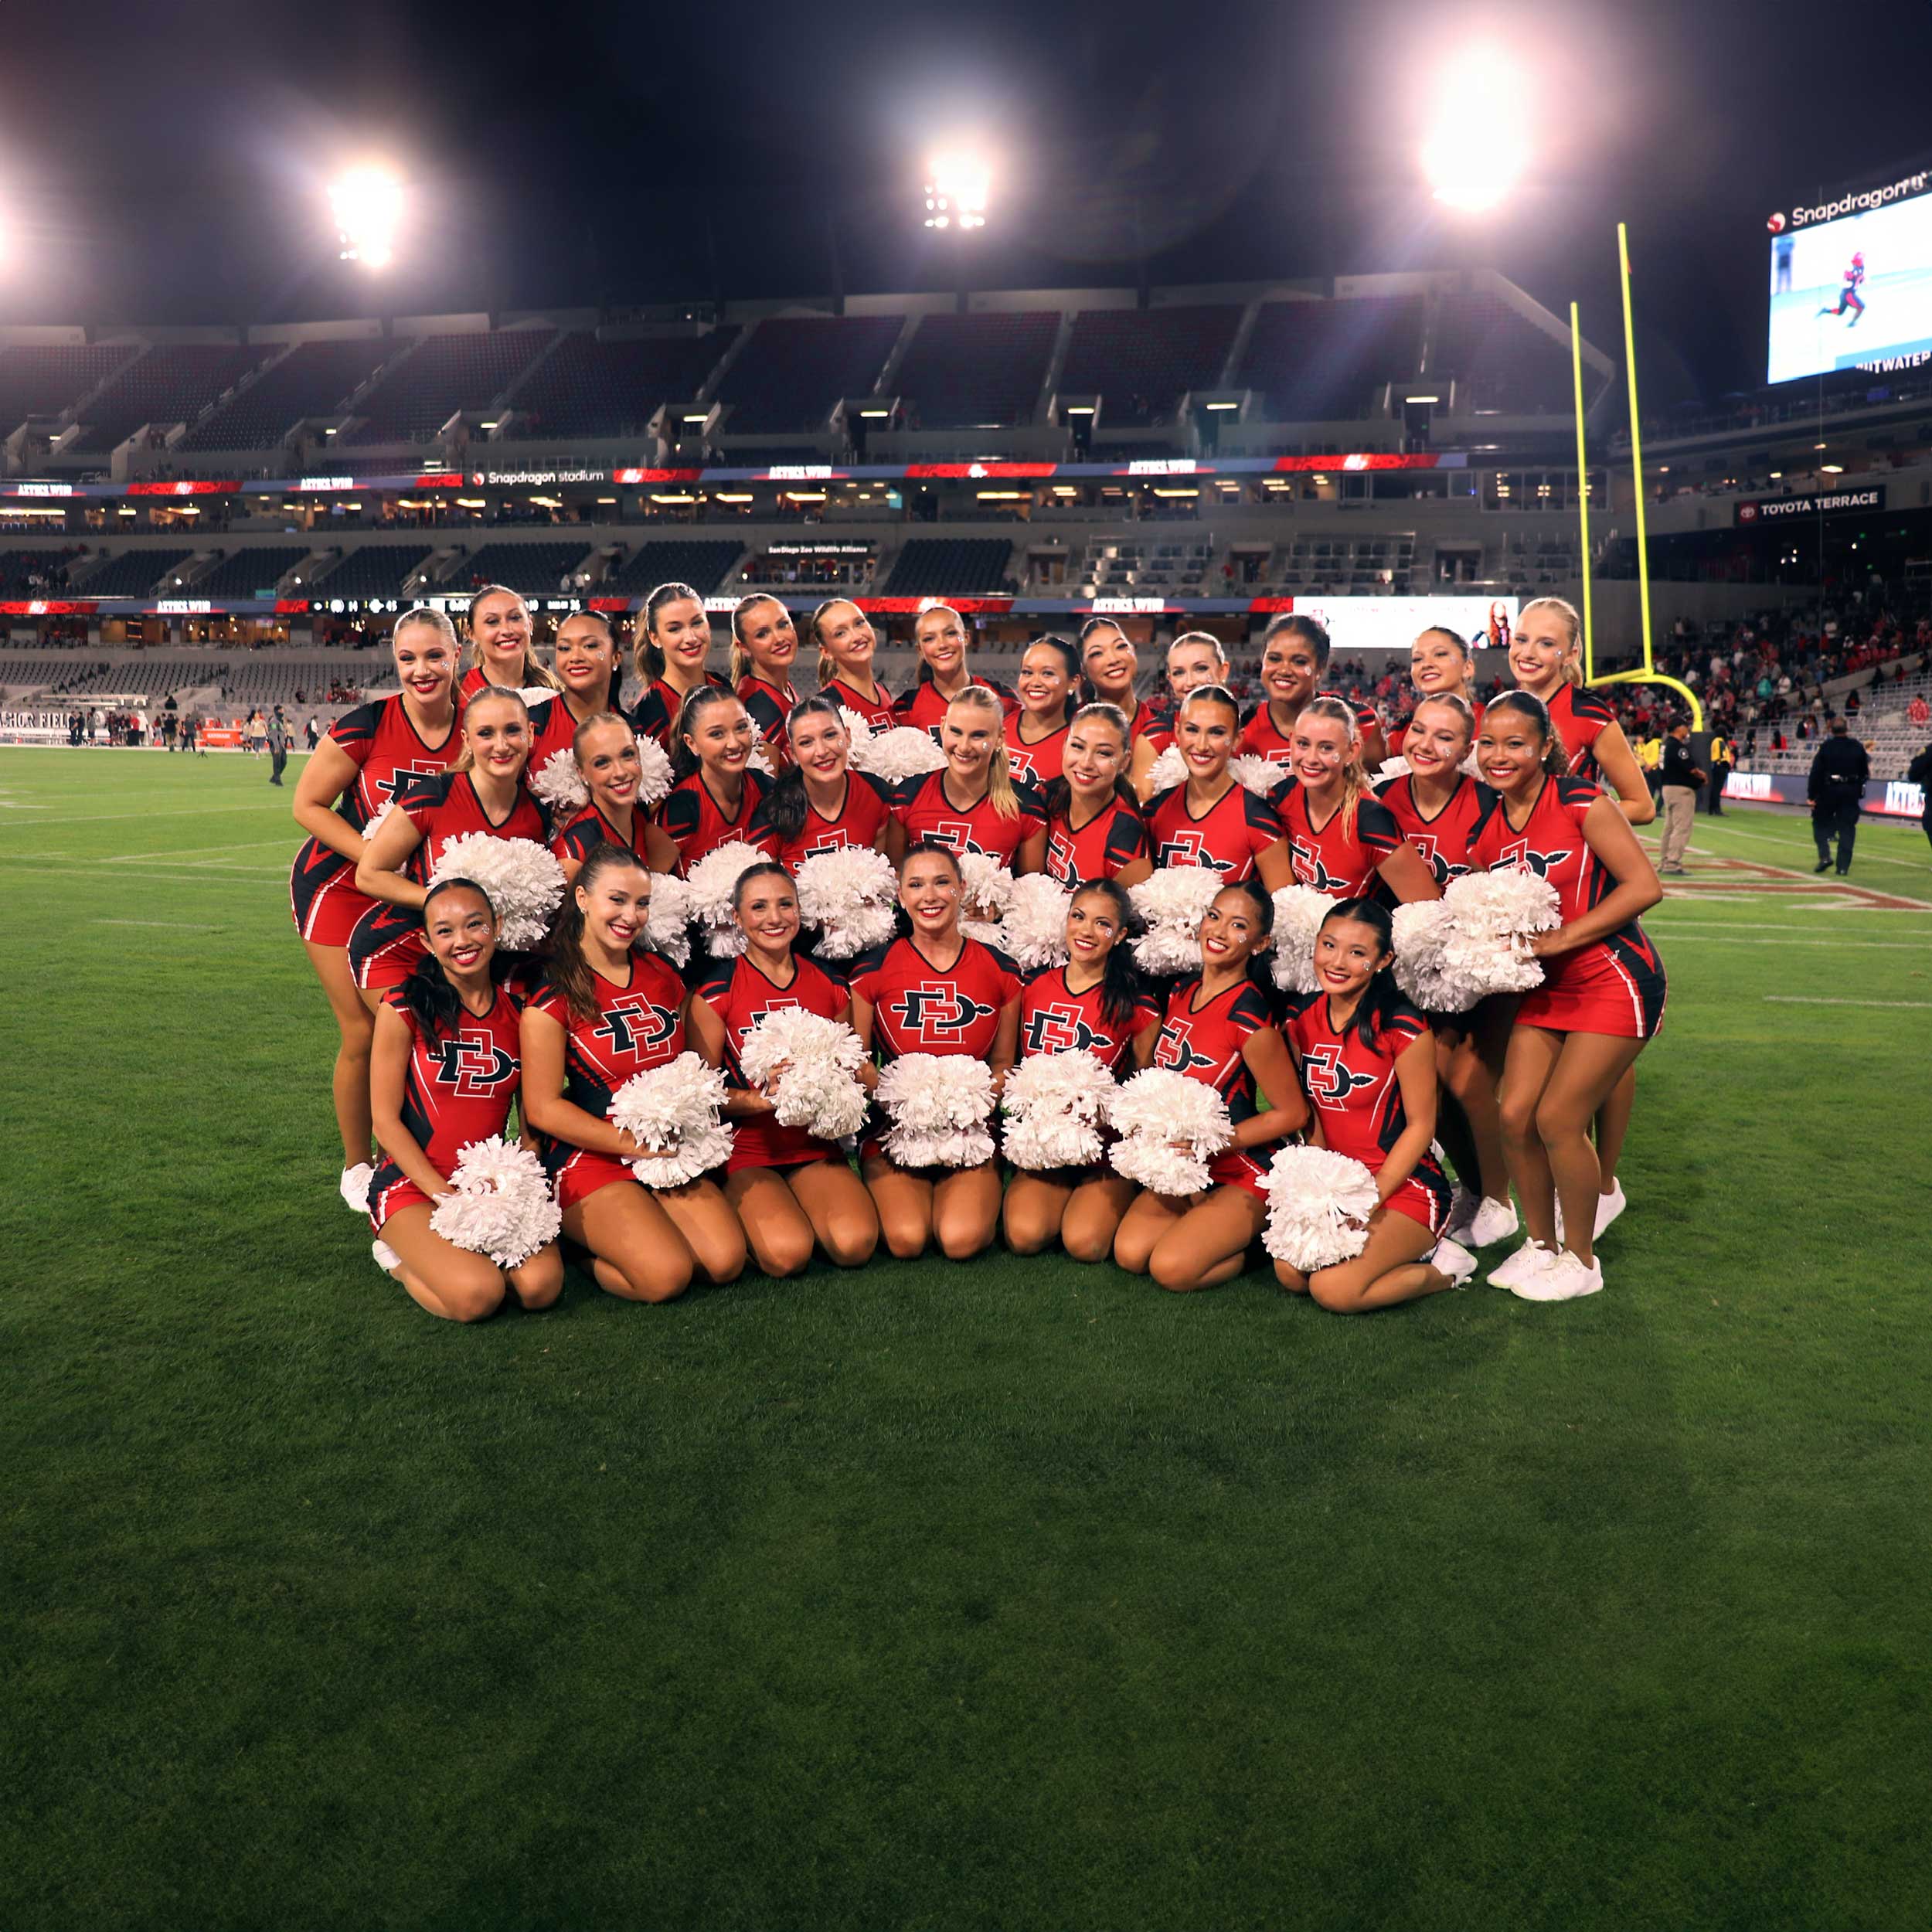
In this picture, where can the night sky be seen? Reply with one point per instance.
(163, 164)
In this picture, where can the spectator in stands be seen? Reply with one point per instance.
(1918, 712)
(1836, 787)
(1681, 777)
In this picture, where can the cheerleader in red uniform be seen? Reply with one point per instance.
(589, 677)
(606, 752)
(483, 792)
(973, 805)
(672, 642)
(789, 1190)
(500, 651)
(817, 803)
(1294, 653)
(1108, 658)
(1094, 829)
(1050, 688)
(1602, 997)
(935, 991)
(717, 795)
(1440, 665)
(350, 777)
(1095, 1003)
(941, 637)
(1367, 1063)
(1218, 1029)
(608, 1010)
(444, 1073)
(1195, 660)
(1212, 819)
(1341, 839)
(764, 647)
(1438, 807)
(847, 644)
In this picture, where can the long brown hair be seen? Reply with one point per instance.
(569, 971)
(741, 660)
(647, 658)
(532, 673)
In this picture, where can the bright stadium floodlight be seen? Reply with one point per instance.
(957, 188)
(367, 204)
(1475, 153)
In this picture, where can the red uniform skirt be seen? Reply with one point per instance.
(1615, 986)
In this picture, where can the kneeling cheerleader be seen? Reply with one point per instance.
(606, 1013)
(791, 1188)
(936, 993)
(1218, 1030)
(443, 1076)
(1368, 1061)
(1095, 1004)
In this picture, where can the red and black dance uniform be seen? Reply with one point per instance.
(921, 806)
(1340, 858)
(1035, 764)
(1614, 985)
(739, 994)
(696, 823)
(589, 829)
(1357, 1097)
(1580, 718)
(1261, 738)
(553, 729)
(1053, 1019)
(637, 1026)
(656, 714)
(925, 704)
(388, 939)
(769, 706)
(868, 805)
(1230, 835)
(1109, 842)
(457, 1088)
(387, 751)
(1444, 840)
(1208, 1044)
(877, 713)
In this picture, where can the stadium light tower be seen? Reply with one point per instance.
(367, 204)
(1475, 152)
(958, 187)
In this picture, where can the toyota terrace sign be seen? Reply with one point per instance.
(1770, 509)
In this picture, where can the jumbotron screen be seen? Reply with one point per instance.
(1851, 283)
(1391, 624)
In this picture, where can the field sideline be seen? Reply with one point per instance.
(1012, 1594)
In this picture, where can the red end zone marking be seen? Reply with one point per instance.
(1723, 877)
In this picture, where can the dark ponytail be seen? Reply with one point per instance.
(1080, 692)
(1122, 988)
(1382, 997)
(427, 995)
(568, 970)
(650, 659)
(684, 760)
(1259, 977)
(785, 803)
(1555, 754)
(1296, 624)
(1057, 794)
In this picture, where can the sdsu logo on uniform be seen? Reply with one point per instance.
(400, 779)
(1173, 1050)
(1057, 1029)
(937, 1015)
(636, 1028)
(1183, 847)
(1323, 1075)
(1440, 869)
(958, 834)
(1020, 762)
(1520, 857)
(1310, 871)
(474, 1068)
(825, 842)
(1061, 855)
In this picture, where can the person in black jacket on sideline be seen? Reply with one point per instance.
(1836, 785)
(1919, 773)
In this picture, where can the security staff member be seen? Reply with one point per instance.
(1680, 779)
(1836, 785)
(1721, 756)
(1919, 773)
(280, 738)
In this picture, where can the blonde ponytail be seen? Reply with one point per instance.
(1354, 775)
(1573, 625)
(999, 771)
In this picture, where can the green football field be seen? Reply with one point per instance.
(1008, 1593)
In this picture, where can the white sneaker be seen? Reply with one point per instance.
(386, 1258)
(1451, 1258)
(1493, 1221)
(1609, 1207)
(1462, 1211)
(1564, 1280)
(354, 1186)
(1530, 1259)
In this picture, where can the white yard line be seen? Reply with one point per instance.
(1867, 945)
(172, 925)
(1809, 999)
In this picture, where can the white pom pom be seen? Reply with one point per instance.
(1152, 1111)
(1390, 768)
(1173, 902)
(560, 785)
(499, 1203)
(848, 896)
(523, 880)
(1054, 1104)
(664, 931)
(1256, 775)
(898, 752)
(858, 730)
(653, 772)
(1492, 915)
(1299, 911)
(819, 1088)
(673, 1111)
(939, 1105)
(1167, 770)
(1319, 1202)
(1421, 931)
(984, 885)
(1032, 929)
(759, 758)
(713, 883)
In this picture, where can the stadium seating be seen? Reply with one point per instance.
(795, 368)
(587, 387)
(249, 572)
(1498, 357)
(941, 567)
(46, 382)
(375, 571)
(171, 384)
(703, 566)
(765, 456)
(534, 569)
(977, 372)
(39, 573)
(314, 379)
(441, 375)
(132, 574)
(1143, 360)
(1318, 361)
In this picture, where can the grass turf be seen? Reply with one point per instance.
(1007, 1593)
